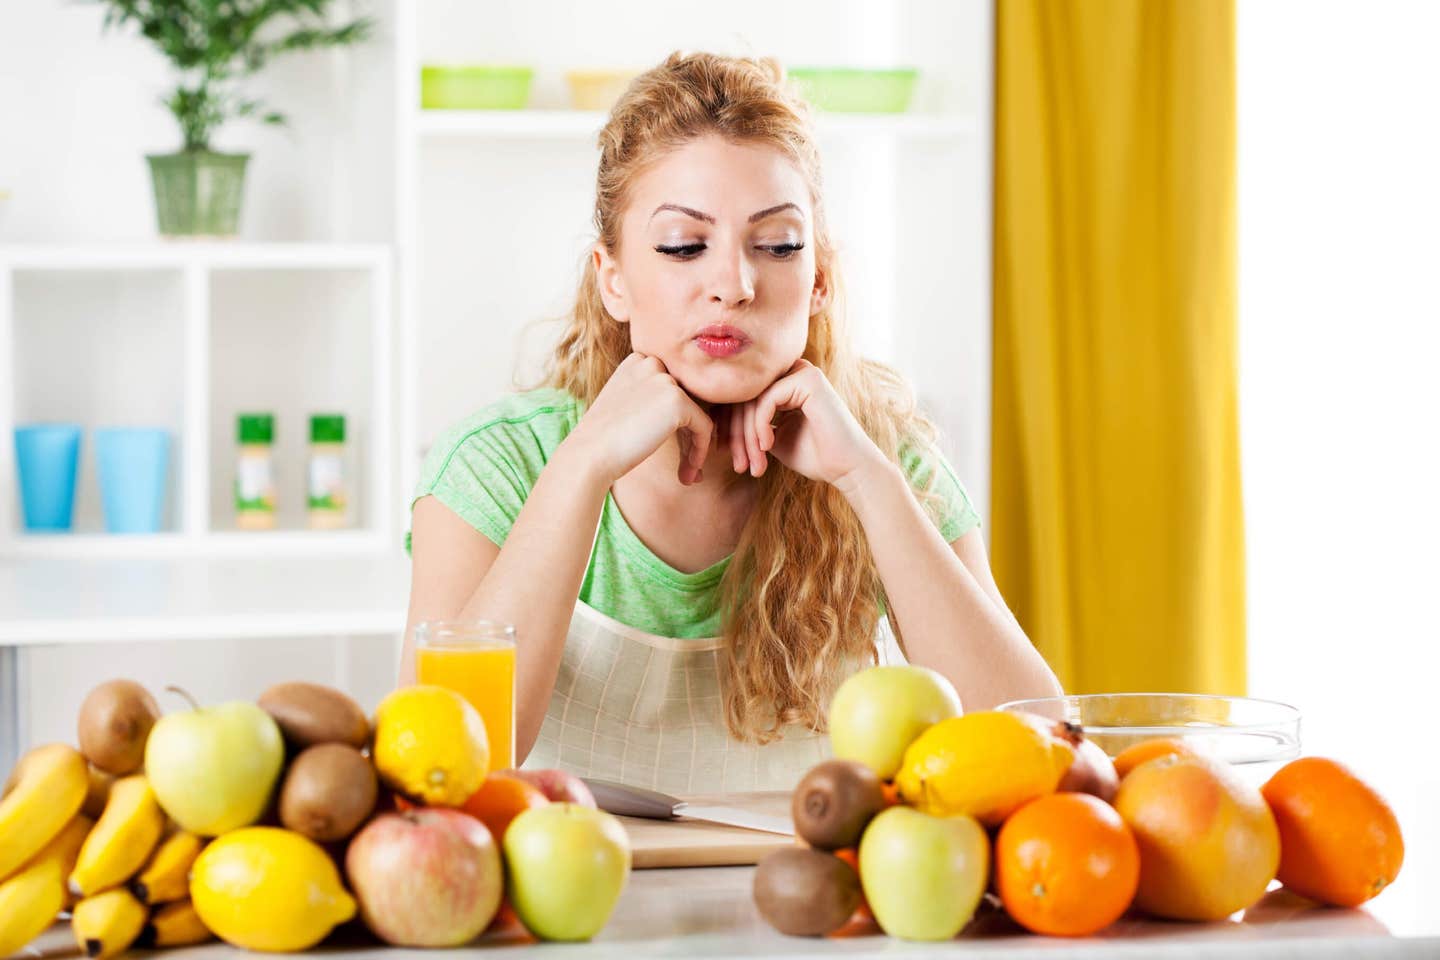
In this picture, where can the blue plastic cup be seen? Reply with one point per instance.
(134, 470)
(47, 457)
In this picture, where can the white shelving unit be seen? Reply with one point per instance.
(188, 274)
(70, 600)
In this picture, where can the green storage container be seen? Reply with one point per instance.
(855, 89)
(474, 87)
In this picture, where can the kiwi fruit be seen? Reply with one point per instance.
(833, 803)
(328, 792)
(806, 893)
(309, 713)
(115, 721)
(97, 792)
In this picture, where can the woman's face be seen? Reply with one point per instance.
(716, 268)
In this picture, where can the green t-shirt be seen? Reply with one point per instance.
(484, 467)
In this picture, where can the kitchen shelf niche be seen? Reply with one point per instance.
(135, 335)
(97, 348)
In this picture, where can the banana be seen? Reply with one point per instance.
(49, 787)
(106, 924)
(174, 925)
(122, 839)
(167, 877)
(30, 899)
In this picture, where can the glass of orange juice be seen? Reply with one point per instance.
(476, 659)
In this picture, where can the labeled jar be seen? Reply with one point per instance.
(255, 472)
(327, 499)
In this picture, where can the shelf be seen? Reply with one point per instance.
(65, 600)
(208, 328)
(213, 254)
(281, 543)
(575, 124)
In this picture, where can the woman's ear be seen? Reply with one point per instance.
(820, 293)
(608, 280)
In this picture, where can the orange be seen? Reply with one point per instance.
(1132, 757)
(1068, 866)
(500, 799)
(1339, 840)
(1208, 842)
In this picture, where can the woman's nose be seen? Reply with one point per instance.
(733, 282)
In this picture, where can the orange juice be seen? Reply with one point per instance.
(484, 674)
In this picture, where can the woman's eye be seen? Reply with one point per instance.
(684, 251)
(783, 251)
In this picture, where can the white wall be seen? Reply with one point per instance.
(1340, 344)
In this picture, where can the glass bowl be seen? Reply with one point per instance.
(1256, 736)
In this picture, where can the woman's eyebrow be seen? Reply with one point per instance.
(754, 217)
(685, 210)
(771, 211)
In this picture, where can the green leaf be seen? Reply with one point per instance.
(213, 44)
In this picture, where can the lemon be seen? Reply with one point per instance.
(983, 764)
(430, 744)
(263, 888)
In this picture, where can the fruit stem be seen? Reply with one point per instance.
(184, 693)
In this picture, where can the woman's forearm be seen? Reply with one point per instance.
(950, 624)
(536, 578)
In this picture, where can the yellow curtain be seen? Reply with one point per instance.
(1117, 524)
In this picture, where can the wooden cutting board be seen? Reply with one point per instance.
(696, 843)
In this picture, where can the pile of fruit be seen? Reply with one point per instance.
(927, 813)
(269, 824)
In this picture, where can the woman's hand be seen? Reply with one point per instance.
(639, 408)
(815, 435)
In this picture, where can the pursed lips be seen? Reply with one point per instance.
(721, 340)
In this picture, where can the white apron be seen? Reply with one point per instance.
(646, 710)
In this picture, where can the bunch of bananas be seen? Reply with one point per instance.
(73, 839)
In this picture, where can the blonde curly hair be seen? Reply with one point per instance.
(801, 597)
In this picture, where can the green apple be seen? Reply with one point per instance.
(566, 866)
(878, 712)
(212, 768)
(923, 876)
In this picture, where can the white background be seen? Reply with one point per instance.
(1339, 348)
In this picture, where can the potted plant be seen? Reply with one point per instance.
(214, 45)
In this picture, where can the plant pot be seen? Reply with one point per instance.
(197, 193)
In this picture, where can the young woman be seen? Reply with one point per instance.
(697, 526)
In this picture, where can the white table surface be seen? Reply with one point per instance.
(708, 912)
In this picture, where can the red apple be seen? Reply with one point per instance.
(558, 786)
(425, 878)
(1090, 772)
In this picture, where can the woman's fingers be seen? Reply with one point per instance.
(785, 394)
(738, 458)
(752, 443)
(701, 430)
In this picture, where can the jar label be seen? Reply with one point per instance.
(327, 490)
(254, 485)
